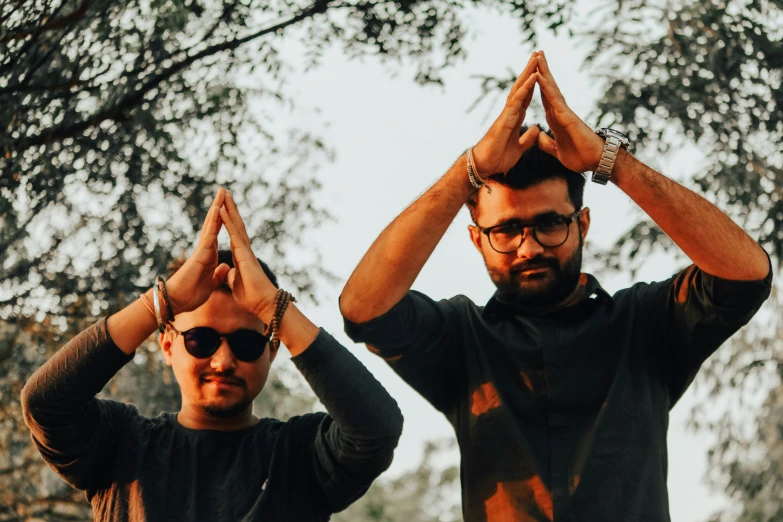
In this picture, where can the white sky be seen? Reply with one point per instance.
(393, 140)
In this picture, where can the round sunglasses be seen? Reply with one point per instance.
(202, 342)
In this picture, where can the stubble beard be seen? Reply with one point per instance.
(225, 411)
(562, 280)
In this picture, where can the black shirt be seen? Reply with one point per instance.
(563, 416)
(134, 468)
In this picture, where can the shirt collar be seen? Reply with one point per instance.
(593, 290)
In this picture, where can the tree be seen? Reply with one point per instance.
(118, 121)
(712, 72)
(115, 110)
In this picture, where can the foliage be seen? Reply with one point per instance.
(119, 119)
(711, 72)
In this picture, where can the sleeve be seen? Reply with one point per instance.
(355, 442)
(693, 314)
(75, 433)
(420, 339)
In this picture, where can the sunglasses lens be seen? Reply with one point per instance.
(247, 345)
(201, 342)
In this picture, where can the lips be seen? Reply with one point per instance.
(223, 381)
(524, 269)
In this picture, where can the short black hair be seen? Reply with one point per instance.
(533, 167)
(224, 256)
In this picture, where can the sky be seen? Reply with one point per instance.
(393, 139)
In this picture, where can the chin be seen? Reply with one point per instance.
(222, 406)
(225, 409)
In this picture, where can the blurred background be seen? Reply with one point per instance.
(119, 119)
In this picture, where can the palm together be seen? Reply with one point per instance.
(575, 144)
(194, 282)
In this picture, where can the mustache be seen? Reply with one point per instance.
(224, 376)
(536, 262)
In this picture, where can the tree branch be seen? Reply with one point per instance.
(53, 87)
(131, 99)
(56, 23)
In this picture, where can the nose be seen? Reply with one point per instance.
(529, 248)
(223, 359)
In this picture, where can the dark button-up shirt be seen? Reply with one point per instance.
(563, 416)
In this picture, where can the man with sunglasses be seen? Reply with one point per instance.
(559, 393)
(214, 460)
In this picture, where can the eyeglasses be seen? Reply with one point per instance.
(202, 342)
(550, 233)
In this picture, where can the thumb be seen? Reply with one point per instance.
(547, 144)
(231, 277)
(529, 138)
(219, 276)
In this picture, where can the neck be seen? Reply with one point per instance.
(194, 418)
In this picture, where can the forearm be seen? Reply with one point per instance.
(133, 325)
(296, 331)
(57, 393)
(363, 411)
(391, 265)
(708, 237)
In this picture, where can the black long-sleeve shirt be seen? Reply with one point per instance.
(563, 417)
(134, 468)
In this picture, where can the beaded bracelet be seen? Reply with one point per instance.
(282, 300)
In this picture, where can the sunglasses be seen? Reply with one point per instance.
(202, 342)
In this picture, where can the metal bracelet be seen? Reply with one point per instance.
(472, 177)
(156, 303)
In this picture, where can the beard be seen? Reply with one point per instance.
(221, 409)
(539, 289)
(226, 411)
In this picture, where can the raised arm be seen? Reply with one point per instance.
(394, 260)
(714, 243)
(356, 443)
(73, 430)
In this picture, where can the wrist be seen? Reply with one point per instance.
(479, 164)
(624, 159)
(265, 310)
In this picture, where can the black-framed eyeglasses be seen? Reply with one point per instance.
(202, 342)
(549, 233)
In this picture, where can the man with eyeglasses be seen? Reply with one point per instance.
(221, 319)
(559, 393)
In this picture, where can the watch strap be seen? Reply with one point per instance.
(603, 173)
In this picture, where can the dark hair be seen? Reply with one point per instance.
(533, 167)
(224, 256)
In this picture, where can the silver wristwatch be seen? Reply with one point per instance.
(614, 142)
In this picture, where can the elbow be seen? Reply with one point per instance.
(28, 400)
(391, 432)
(392, 426)
(351, 307)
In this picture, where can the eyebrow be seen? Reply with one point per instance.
(538, 218)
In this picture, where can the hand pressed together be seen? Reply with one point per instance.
(200, 275)
(575, 144)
